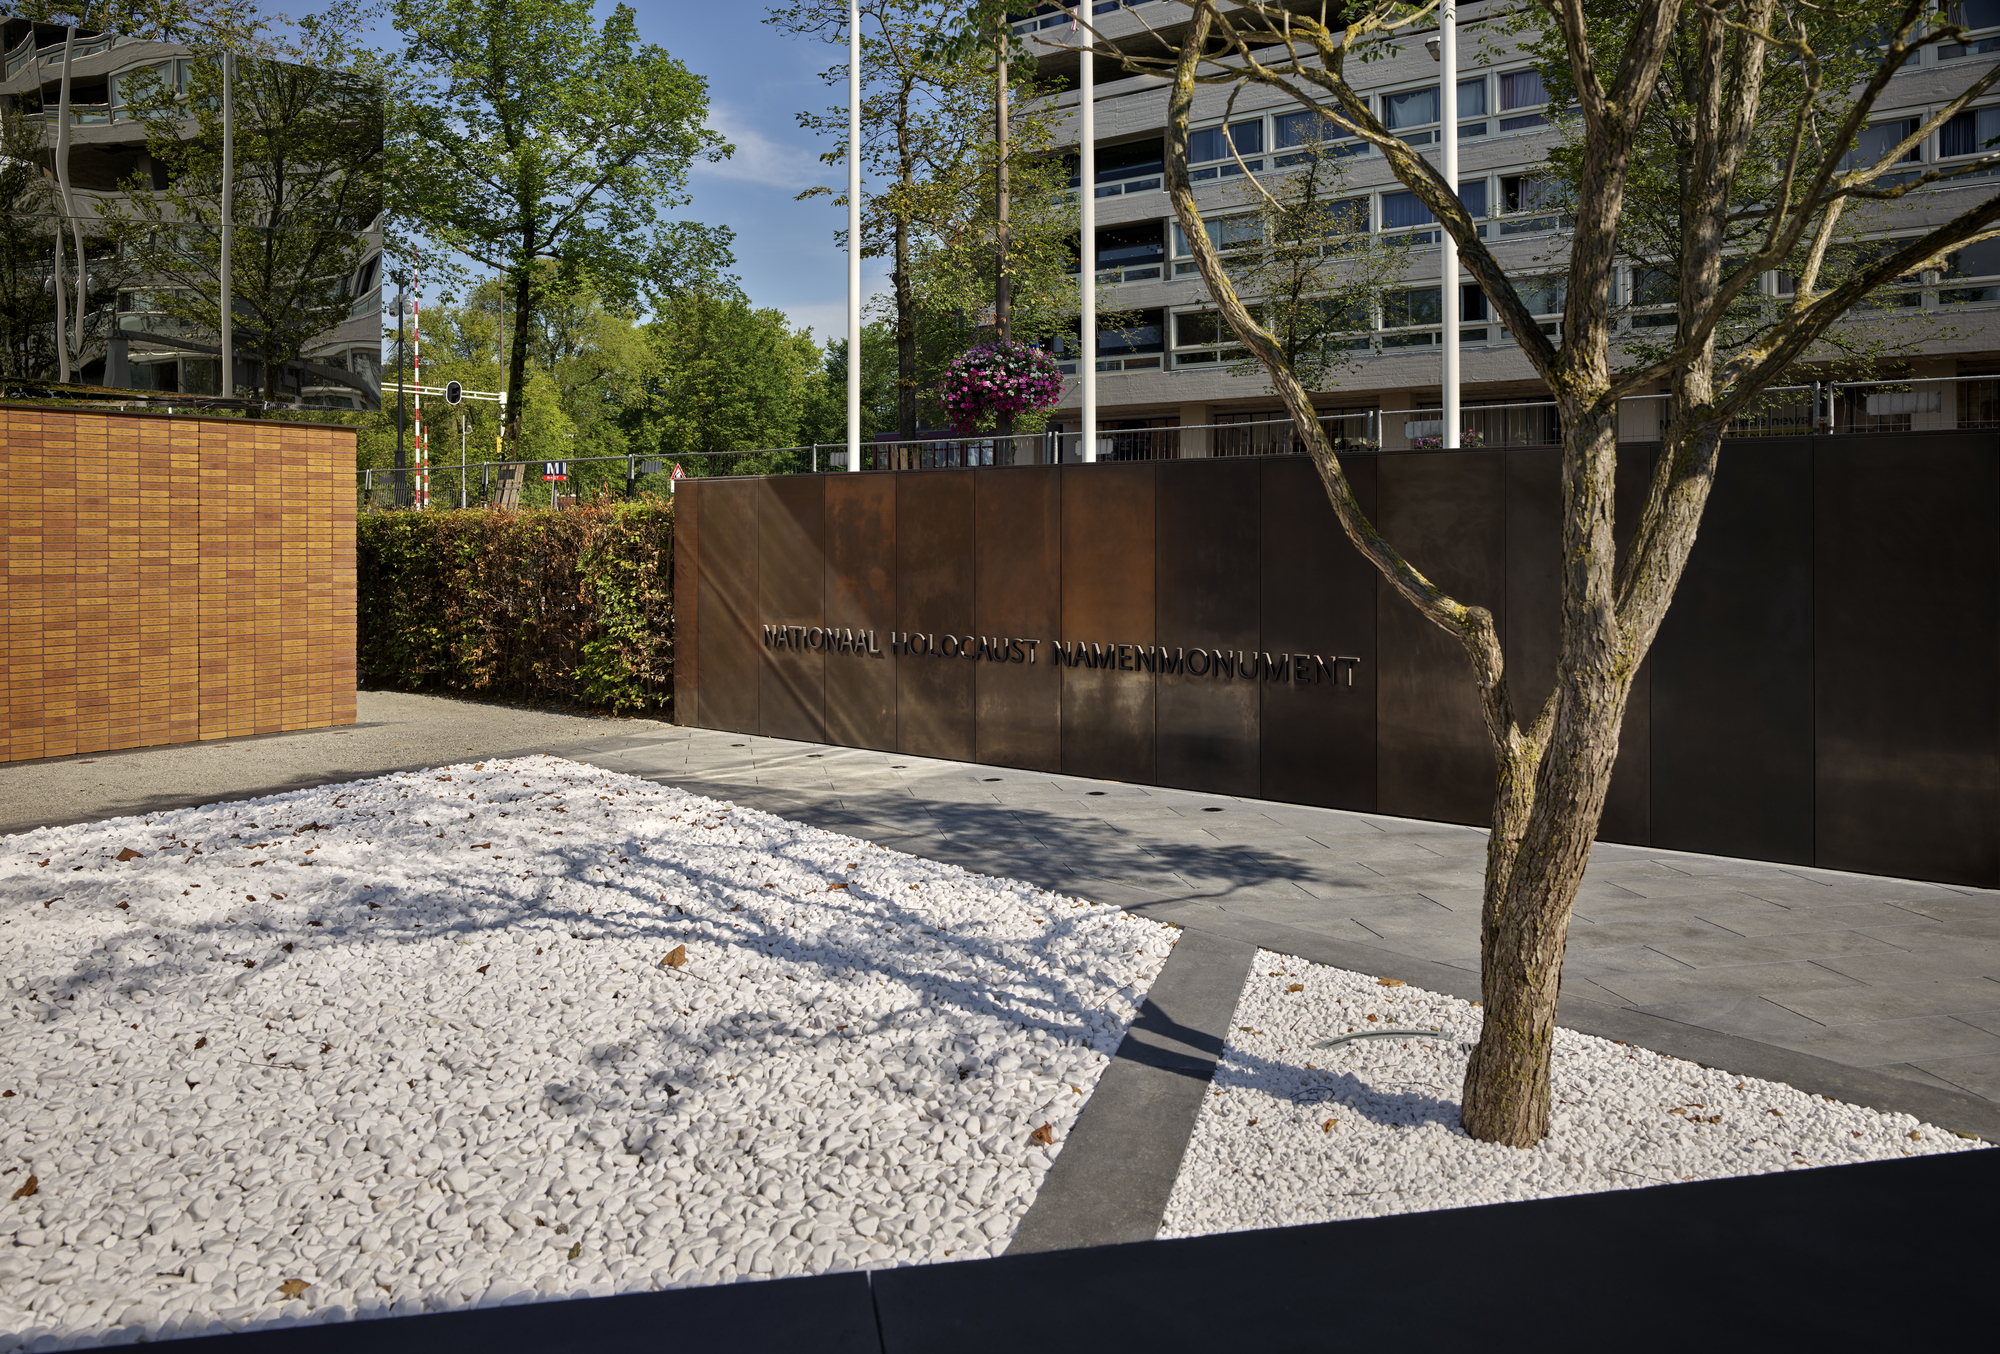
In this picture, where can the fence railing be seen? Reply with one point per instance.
(1926, 404)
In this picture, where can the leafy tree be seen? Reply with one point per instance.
(727, 377)
(308, 186)
(27, 224)
(1795, 165)
(525, 133)
(1304, 255)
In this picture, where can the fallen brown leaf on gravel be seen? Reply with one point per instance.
(675, 957)
(32, 1187)
(291, 1288)
(129, 854)
(1044, 1136)
(1388, 982)
(484, 967)
(831, 887)
(1296, 987)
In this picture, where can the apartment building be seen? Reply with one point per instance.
(131, 342)
(1175, 369)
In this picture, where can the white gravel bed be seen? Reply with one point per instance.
(1295, 1134)
(409, 1044)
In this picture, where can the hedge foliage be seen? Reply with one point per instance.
(572, 606)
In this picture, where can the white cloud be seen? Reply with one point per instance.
(759, 158)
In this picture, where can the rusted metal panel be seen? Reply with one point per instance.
(1446, 512)
(935, 522)
(728, 653)
(1732, 745)
(791, 576)
(861, 596)
(687, 579)
(1318, 729)
(1108, 543)
(1906, 687)
(1019, 597)
(1208, 595)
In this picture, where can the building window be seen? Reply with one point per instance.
(1134, 167)
(1874, 142)
(1204, 338)
(1521, 91)
(1472, 107)
(1409, 109)
(1130, 253)
(1225, 233)
(1407, 308)
(1976, 131)
(1973, 16)
(1975, 261)
(1656, 287)
(1529, 204)
(1315, 131)
(1210, 144)
(1135, 348)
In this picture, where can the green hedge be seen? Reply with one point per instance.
(573, 606)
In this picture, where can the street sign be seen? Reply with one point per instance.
(553, 471)
(453, 392)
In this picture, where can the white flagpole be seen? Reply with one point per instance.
(1448, 252)
(69, 212)
(226, 386)
(854, 234)
(1086, 324)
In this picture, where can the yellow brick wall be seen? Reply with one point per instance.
(170, 579)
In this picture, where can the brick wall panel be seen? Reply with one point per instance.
(171, 579)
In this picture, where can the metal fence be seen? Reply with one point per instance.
(1928, 404)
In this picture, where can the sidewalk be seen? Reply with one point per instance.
(1884, 992)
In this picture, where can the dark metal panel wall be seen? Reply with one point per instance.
(1732, 712)
(1533, 617)
(861, 595)
(1207, 595)
(791, 572)
(934, 562)
(1107, 597)
(1446, 512)
(1019, 596)
(1907, 682)
(687, 589)
(1317, 741)
(728, 651)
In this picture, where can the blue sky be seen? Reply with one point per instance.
(758, 80)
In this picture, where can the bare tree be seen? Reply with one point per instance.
(1552, 773)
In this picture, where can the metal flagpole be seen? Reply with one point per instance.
(1448, 252)
(854, 234)
(62, 187)
(228, 300)
(419, 445)
(1086, 324)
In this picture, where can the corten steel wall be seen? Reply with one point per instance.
(171, 579)
(1826, 689)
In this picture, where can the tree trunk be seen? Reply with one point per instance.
(1548, 799)
(906, 337)
(517, 358)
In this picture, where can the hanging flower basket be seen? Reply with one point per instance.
(994, 381)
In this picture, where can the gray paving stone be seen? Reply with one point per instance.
(1973, 1000)
(1732, 950)
(1979, 1073)
(1937, 935)
(1923, 1041)
(1745, 1014)
(1586, 936)
(1892, 968)
(1646, 990)
(1618, 959)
